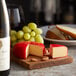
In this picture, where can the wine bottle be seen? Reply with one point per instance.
(4, 40)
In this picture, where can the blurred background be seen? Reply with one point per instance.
(42, 12)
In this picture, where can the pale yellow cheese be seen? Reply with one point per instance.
(59, 52)
(36, 50)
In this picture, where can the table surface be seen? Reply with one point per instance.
(62, 70)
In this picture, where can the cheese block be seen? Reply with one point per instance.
(37, 49)
(21, 50)
(57, 51)
(54, 33)
(67, 30)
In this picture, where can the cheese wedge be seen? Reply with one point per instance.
(58, 51)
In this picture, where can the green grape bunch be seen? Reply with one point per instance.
(29, 32)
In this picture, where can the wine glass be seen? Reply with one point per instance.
(16, 16)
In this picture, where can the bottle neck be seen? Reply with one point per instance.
(4, 19)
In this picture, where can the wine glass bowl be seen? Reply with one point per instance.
(16, 16)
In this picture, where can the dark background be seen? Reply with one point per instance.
(25, 5)
(30, 17)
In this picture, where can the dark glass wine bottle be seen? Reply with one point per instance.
(4, 40)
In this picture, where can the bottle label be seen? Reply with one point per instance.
(4, 53)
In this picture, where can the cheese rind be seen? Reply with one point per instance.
(57, 51)
(21, 50)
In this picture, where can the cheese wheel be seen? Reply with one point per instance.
(21, 50)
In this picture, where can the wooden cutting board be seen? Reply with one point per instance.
(41, 64)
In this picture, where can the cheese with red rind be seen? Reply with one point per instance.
(58, 51)
(21, 50)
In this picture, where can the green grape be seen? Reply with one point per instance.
(26, 36)
(13, 43)
(37, 35)
(20, 34)
(12, 32)
(32, 26)
(26, 29)
(32, 33)
(38, 31)
(21, 40)
(39, 39)
(13, 38)
(32, 39)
